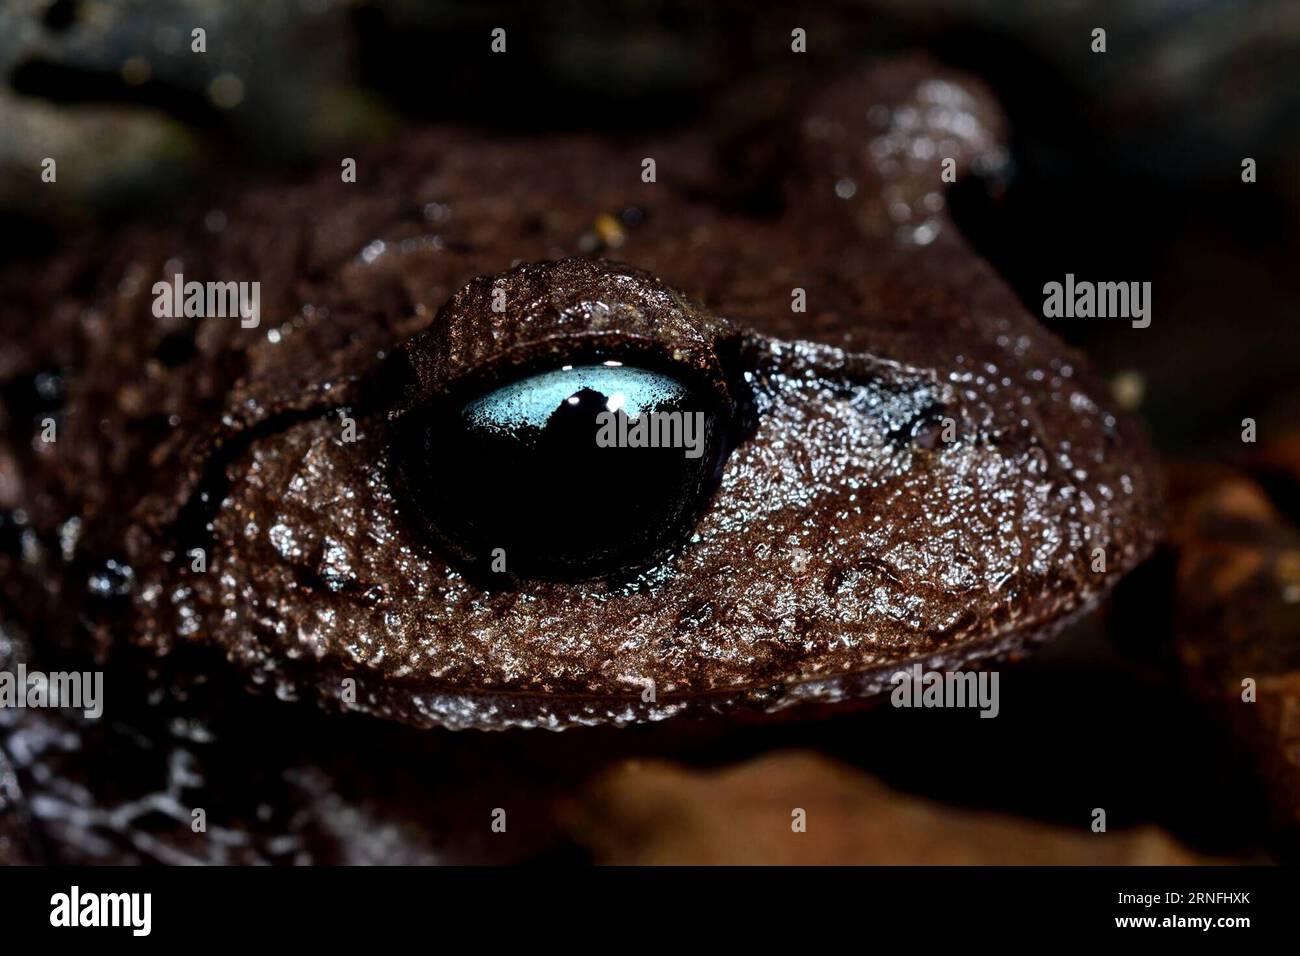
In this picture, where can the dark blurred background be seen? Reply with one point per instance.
(1126, 166)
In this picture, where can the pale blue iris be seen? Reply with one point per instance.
(530, 402)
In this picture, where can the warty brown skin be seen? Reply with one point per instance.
(847, 538)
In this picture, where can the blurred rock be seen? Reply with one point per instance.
(117, 95)
(663, 813)
(1237, 621)
(106, 156)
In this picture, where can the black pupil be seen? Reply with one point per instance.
(577, 472)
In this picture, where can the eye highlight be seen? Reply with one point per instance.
(564, 419)
(530, 404)
(573, 472)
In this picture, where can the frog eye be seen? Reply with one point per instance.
(578, 471)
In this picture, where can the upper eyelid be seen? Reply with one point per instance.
(556, 313)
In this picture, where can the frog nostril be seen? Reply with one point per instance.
(931, 425)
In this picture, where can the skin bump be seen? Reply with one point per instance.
(919, 471)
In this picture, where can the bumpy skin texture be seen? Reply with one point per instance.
(847, 537)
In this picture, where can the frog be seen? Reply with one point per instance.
(304, 551)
